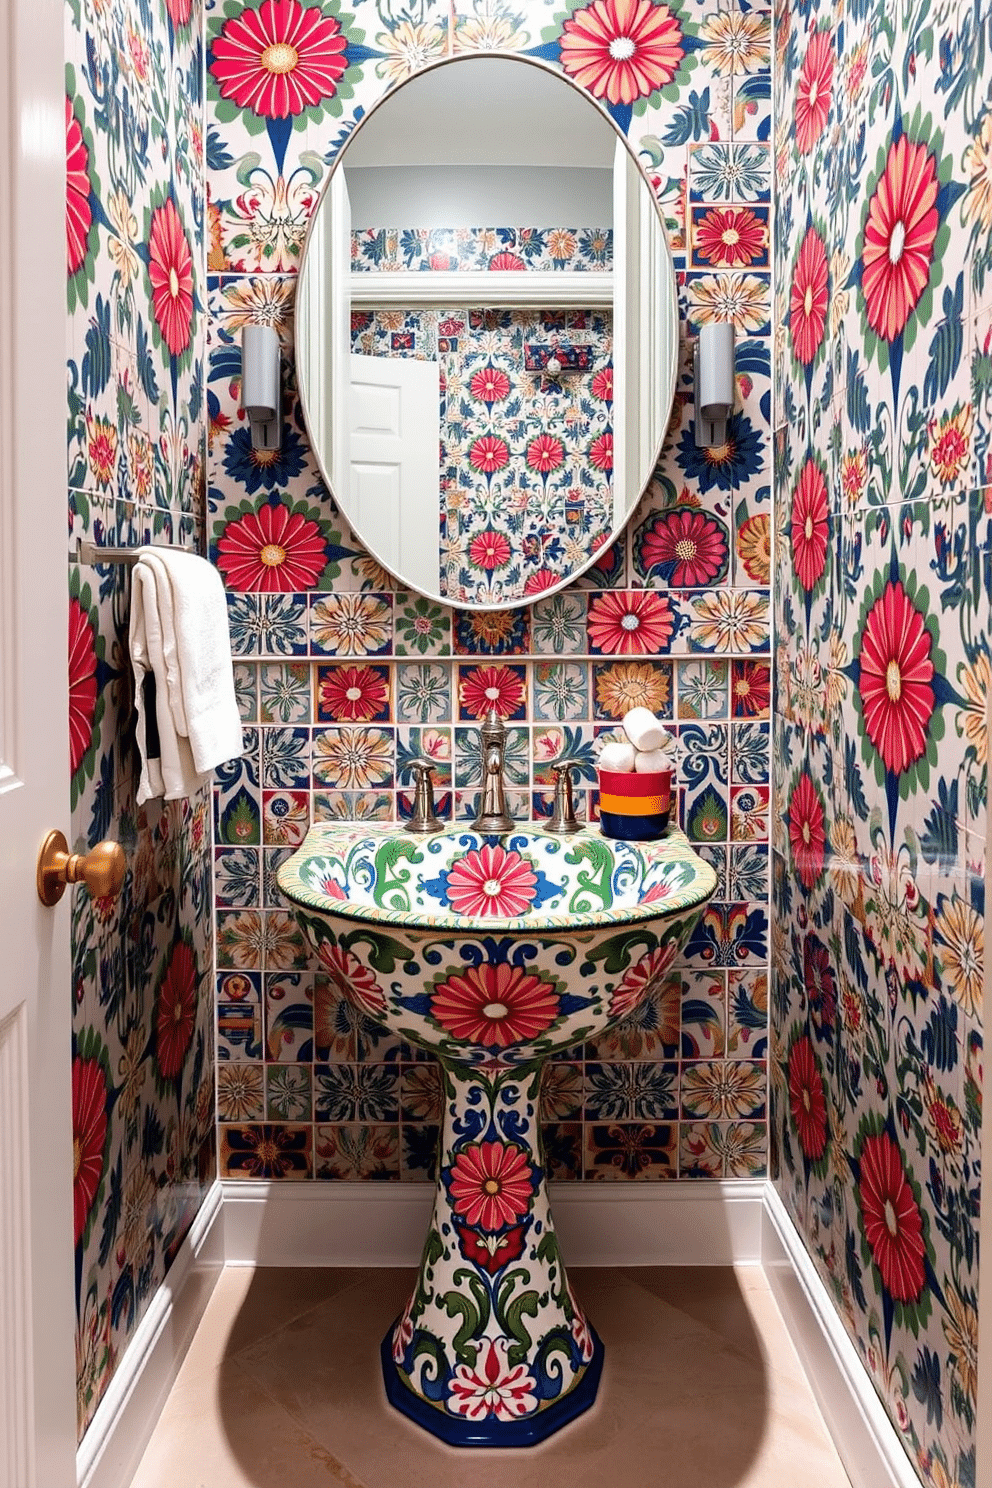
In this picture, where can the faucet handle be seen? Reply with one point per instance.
(563, 818)
(424, 818)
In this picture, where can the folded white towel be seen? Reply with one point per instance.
(179, 633)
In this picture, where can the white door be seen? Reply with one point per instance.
(37, 1412)
(393, 495)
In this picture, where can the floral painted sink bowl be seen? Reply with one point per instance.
(493, 952)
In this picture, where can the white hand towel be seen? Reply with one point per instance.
(173, 774)
(179, 630)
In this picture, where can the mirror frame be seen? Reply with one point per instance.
(672, 361)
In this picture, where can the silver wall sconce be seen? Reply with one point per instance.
(713, 365)
(261, 392)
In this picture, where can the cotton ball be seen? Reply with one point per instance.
(617, 757)
(647, 761)
(643, 729)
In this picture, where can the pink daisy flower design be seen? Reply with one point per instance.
(622, 50)
(632, 622)
(272, 550)
(896, 684)
(280, 58)
(900, 233)
(491, 1184)
(491, 881)
(170, 269)
(495, 1005)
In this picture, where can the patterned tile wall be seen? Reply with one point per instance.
(883, 501)
(342, 678)
(143, 1037)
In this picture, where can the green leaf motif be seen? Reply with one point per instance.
(594, 889)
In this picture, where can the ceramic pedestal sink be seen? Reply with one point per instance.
(493, 952)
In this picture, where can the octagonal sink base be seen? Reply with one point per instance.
(526, 1432)
(492, 1349)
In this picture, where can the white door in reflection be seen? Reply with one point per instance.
(393, 484)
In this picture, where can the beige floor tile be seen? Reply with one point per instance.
(247, 1304)
(701, 1389)
(223, 1431)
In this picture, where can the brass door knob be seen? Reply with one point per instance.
(101, 869)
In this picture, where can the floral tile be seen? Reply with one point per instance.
(491, 632)
(236, 877)
(749, 756)
(500, 686)
(702, 689)
(370, 805)
(468, 757)
(749, 805)
(422, 628)
(272, 895)
(359, 758)
(718, 1089)
(285, 758)
(560, 691)
(354, 693)
(343, 1034)
(729, 935)
(289, 1017)
(350, 1152)
(724, 172)
(562, 1091)
(356, 1092)
(555, 744)
(625, 1092)
(423, 692)
(246, 691)
(285, 817)
(419, 1146)
(729, 237)
(632, 1151)
(347, 625)
(284, 691)
(700, 1152)
(621, 685)
(288, 1092)
(285, 946)
(652, 1031)
(559, 624)
(422, 1093)
(240, 1092)
(239, 939)
(263, 1153)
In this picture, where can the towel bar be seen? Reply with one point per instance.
(89, 552)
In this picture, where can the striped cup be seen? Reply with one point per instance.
(632, 807)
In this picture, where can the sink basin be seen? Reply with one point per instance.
(493, 952)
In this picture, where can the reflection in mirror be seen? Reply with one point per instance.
(487, 331)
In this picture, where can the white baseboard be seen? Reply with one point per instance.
(598, 1224)
(866, 1440)
(118, 1434)
(370, 1224)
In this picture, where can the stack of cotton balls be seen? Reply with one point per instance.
(646, 748)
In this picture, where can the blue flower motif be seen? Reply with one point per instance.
(727, 465)
(254, 469)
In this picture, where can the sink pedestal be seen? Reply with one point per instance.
(492, 1348)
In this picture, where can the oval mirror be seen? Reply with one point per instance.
(487, 331)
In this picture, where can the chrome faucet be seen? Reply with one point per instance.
(493, 816)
